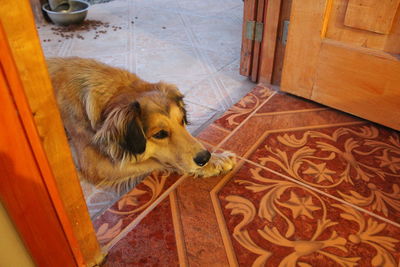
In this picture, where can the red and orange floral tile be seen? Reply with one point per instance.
(313, 187)
(148, 246)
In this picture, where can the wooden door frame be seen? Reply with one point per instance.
(24, 64)
(27, 182)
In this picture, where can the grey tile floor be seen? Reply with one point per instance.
(193, 44)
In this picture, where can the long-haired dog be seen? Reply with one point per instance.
(121, 127)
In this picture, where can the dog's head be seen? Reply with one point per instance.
(150, 125)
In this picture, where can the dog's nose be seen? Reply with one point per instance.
(202, 157)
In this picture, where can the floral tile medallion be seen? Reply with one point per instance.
(272, 221)
(359, 163)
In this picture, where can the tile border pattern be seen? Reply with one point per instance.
(215, 190)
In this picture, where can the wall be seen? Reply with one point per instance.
(12, 250)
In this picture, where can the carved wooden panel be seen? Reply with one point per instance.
(371, 15)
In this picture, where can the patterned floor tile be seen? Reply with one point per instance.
(183, 82)
(213, 134)
(116, 60)
(360, 163)
(237, 12)
(160, 37)
(176, 60)
(233, 84)
(208, 7)
(314, 187)
(199, 116)
(131, 205)
(115, 12)
(200, 235)
(218, 39)
(152, 243)
(267, 220)
(160, 5)
(260, 126)
(108, 45)
(283, 102)
(241, 110)
(222, 58)
(207, 90)
(97, 200)
(155, 16)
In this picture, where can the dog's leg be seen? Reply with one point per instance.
(219, 163)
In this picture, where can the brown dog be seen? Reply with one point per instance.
(121, 127)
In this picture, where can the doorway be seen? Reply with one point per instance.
(195, 45)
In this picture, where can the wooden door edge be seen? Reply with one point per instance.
(256, 57)
(246, 51)
(268, 45)
(12, 86)
(37, 90)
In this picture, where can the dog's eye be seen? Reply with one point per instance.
(161, 134)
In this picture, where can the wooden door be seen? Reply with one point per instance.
(25, 73)
(345, 54)
(26, 179)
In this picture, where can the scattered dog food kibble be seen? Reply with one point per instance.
(79, 30)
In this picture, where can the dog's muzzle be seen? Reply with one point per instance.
(202, 158)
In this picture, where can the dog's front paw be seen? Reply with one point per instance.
(218, 164)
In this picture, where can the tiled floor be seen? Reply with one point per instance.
(194, 44)
(313, 187)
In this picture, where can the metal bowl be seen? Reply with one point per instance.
(74, 13)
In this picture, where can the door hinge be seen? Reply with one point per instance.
(259, 31)
(254, 30)
(250, 26)
(285, 31)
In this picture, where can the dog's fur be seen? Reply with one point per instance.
(121, 127)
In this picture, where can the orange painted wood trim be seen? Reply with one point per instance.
(16, 91)
(23, 190)
(32, 71)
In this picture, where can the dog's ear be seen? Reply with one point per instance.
(134, 140)
(121, 132)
